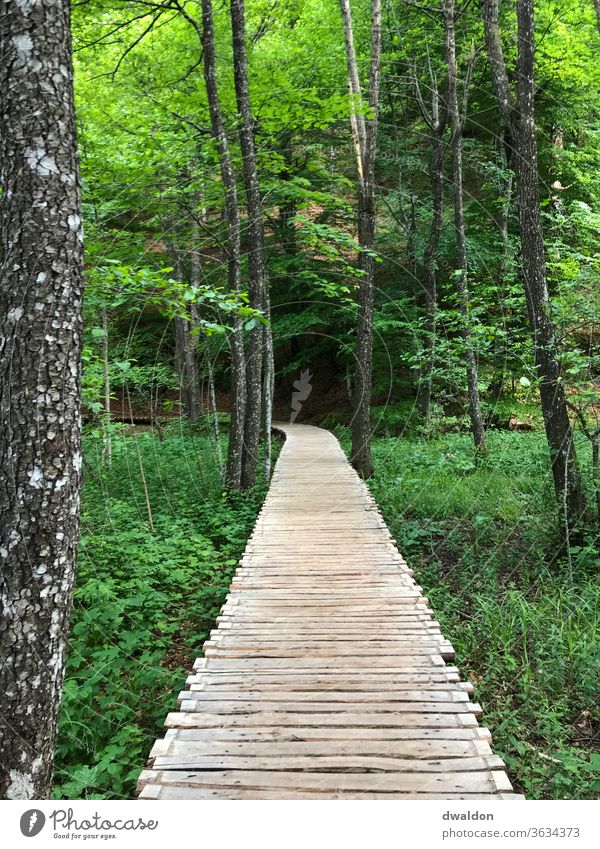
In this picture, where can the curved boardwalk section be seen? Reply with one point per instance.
(327, 676)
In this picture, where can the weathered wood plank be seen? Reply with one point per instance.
(156, 791)
(370, 719)
(203, 694)
(294, 734)
(455, 782)
(325, 763)
(183, 749)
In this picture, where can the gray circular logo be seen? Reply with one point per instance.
(32, 822)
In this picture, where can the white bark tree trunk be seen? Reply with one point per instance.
(41, 283)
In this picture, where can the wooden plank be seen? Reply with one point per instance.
(282, 734)
(328, 651)
(326, 763)
(203, 694)
(391, 686)
(155, 791)
(370, 719)
(195, 701)
(416, 749)
(393, 663)
(438, 782)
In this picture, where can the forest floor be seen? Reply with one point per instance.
(144, 601)
(481, 538)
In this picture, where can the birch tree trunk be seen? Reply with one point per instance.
(41, 283)
(364, 133)
(233, 471)
(462, 284)
(260, 355)
(519, 116)
(357, 120)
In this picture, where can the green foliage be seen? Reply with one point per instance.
(144, 602)
(481, 533)
(482, 541)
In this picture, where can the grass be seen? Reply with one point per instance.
(144, 601)
(482, 540)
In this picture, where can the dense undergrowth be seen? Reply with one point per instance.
(144, 601)
(482, 540)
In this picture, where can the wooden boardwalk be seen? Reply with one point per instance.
(327, 676)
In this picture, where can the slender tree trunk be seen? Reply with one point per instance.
(191, 333)
(357, 120)
(436, 119)
(212, 403)
(596, 472)
(186, 365)
(462, 285)
(260, 355)
(519, 116)
(364, 134)
(233, 472)
(107, 439)
(430, 280)
(41, 282)
(597, 7)
(268, 389)
(495, 389)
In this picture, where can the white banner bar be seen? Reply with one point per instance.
(301, 825)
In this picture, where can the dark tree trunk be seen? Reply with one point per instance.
(364, 133)
(495, 389)
(558, 427)
(41, 282)
(519, 116)
(462, 285)
(430, 256)
(361, 400)
(597, 7)
(259, 366)
(436, 120)
(233, 472)
(186, 365)
(187, 368)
